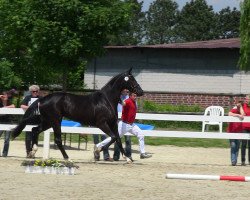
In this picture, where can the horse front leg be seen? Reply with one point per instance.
(113, 133)
(123, 152)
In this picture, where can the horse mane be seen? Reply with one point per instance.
(112, 81)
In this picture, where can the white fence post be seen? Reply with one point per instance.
(46, 144)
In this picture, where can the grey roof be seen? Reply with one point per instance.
(210, 44)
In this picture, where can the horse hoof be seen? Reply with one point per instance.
(96, 153)
(129, 161)
(35, 147)
(31, 154)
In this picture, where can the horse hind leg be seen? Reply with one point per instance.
(35, 134)
(58, 139)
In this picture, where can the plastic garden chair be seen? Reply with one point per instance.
(213, 111)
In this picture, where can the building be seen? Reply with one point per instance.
(204, 72)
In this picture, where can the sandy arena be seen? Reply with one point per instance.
(144, 179)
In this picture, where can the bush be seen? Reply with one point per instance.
(168, 108)
(153, 107)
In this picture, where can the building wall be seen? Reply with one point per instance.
(203, 100)
(210, 75)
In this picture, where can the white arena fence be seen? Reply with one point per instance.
(141, 116)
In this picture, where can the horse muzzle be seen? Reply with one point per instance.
(139, 91)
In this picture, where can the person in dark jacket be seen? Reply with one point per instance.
(27, 101)
(5, 102)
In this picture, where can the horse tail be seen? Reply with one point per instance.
(27, 118)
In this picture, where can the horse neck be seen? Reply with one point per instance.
(113, 94)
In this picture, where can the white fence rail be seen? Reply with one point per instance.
(141, 116)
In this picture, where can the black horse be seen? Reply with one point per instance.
(96, 109)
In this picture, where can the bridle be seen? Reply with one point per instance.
(133, 85)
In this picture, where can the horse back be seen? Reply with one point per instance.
(86, 109)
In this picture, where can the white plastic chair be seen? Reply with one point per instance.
(213, 111)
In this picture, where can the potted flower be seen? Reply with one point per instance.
(49, 166)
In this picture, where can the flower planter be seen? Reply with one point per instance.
(49, 170)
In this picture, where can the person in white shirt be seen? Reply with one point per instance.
(116, 156)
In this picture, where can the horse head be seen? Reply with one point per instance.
(131, 84)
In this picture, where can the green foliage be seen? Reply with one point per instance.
(76, 80)
(161, 20)
(196, 22)
(228, 23)
(244, 61)
(149, 106)
(174, 125)
(49, 163)
(8, 79)
(57, 36)
(133, 33)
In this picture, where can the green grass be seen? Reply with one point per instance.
(184, 142)
(188, 142)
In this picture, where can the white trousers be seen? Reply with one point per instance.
(127, 128)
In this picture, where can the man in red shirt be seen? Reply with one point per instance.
(235, 127)
(246, 129)
(127, 125)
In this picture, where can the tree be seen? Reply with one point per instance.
(228, 23)
(244, 61)
(161, 19)
(133, 33)
(55, 36)
(8, 79)
(196, 22)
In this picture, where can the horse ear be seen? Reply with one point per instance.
(130, 70)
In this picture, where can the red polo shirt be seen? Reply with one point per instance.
(129, 111)
(246, 125)
(234, 127)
